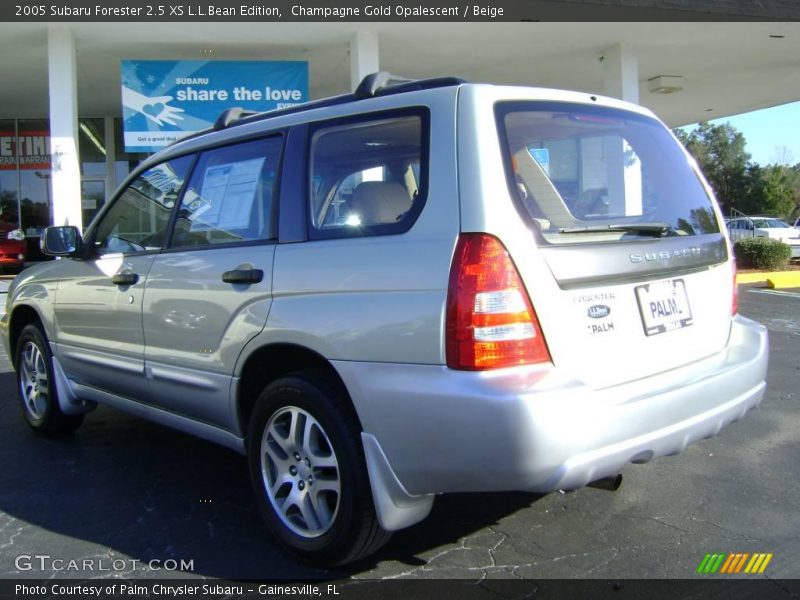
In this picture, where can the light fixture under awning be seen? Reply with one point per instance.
(665, 84)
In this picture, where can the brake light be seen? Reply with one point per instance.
(735, 304)
(491, 323)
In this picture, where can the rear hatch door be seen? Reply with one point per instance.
(622, 252)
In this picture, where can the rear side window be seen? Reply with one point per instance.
(587, 173)
(230, 196)
(367, 177)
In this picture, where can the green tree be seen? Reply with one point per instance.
(775, 191)
(720, 153)
(772, 190)
(796, 175)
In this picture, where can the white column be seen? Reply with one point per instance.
(66, 174)
(621, 73)
(364, 56)
(621, 79)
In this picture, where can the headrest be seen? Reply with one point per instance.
(379, 202)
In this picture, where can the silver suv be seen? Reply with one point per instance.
(416, 289)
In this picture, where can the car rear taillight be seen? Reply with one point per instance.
(735, 303)
(490, 320)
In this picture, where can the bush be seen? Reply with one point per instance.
(761, 253)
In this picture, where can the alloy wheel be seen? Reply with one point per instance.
(300, 472)
(33, 381)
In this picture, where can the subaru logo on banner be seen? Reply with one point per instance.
(165, 100)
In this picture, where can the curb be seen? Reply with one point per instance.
(777, 279)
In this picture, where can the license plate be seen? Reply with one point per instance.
(664, 306)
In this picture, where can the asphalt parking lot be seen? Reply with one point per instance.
(123, 491)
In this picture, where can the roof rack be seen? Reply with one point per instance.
(230, 116)
(383, 83)
(375, 84)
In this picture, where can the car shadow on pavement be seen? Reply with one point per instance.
(125, 492)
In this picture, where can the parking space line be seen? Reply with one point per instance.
(777, 293)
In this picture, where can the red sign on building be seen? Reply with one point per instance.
(32, 148)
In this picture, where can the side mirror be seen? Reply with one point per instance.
(61, 241)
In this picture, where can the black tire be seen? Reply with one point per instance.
(342, 526)
(37, 394)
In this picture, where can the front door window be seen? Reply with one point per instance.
(139, 218)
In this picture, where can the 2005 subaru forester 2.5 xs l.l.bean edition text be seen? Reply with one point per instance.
(420, 288)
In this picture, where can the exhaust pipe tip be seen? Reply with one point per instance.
(610, 483)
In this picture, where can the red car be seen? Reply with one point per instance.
(12, 248)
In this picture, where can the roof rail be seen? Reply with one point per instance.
(382, 83)
(374, 84)
(230, 116)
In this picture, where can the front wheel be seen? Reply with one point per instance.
(36, 385)
(308, 470)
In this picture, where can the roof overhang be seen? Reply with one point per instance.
(726, 68)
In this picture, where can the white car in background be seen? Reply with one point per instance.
(746, 227)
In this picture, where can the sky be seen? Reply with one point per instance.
(767, 131)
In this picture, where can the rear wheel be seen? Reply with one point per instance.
(308, 470)
(36, 385)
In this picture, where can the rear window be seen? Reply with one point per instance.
(770, 224)
(587, 174)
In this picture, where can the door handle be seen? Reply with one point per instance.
(125, 279)
(243, 276)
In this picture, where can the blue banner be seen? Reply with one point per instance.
(165, 100)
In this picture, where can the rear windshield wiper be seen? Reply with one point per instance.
(654, 229)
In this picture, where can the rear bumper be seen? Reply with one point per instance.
(534, 429)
